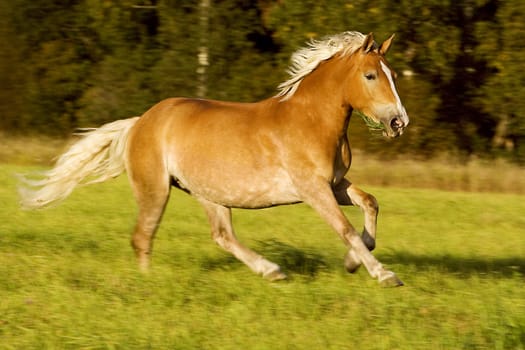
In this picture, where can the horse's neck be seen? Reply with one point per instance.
(320, 99)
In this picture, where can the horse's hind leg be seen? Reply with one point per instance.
(152, 191)
(222, 232)
(347, 193)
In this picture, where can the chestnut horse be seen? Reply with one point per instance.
(289, 148)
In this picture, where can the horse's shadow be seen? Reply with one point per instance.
(304, 262)
(301, 261)
(462, 266)
(309, 262)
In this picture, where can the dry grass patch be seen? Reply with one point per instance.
(30, 150)
(444, 173)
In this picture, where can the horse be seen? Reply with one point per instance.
(289, 148)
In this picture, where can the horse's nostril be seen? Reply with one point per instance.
(396, 123)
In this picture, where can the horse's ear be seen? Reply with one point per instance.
(383, 48)
(368, 43)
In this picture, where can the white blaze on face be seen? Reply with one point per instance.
(402, 112)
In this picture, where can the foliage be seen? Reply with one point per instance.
(369, 122)
(68, 279)
(68, 64)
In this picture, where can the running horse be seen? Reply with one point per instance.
(289, 148)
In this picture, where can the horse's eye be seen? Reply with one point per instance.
(370, 76)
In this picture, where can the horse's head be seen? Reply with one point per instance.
(373, 92)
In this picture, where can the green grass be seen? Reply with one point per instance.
(68, 278)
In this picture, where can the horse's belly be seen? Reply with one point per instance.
(242, 190)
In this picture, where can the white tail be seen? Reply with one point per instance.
(98, 156)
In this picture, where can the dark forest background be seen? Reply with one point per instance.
(81, 63)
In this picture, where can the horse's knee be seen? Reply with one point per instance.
(370, 204)
(222, 239)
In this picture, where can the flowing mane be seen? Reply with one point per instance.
(305, 60)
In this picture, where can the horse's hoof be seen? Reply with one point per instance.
(352, 262)
(275, 275)
(390, 280)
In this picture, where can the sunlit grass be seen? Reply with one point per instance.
(68, 278)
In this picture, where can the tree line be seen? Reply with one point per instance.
(80, 63)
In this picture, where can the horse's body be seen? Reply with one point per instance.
(237, 151)
(286, 149)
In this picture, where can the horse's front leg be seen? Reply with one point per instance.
(320, 197)
(347, 193)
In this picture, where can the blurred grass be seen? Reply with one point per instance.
(444, 173)
(68, 278)
(29, 150)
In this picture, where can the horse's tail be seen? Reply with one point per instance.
(98, 156)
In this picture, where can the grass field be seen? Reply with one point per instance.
(68, 278)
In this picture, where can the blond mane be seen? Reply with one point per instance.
(305, 60)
